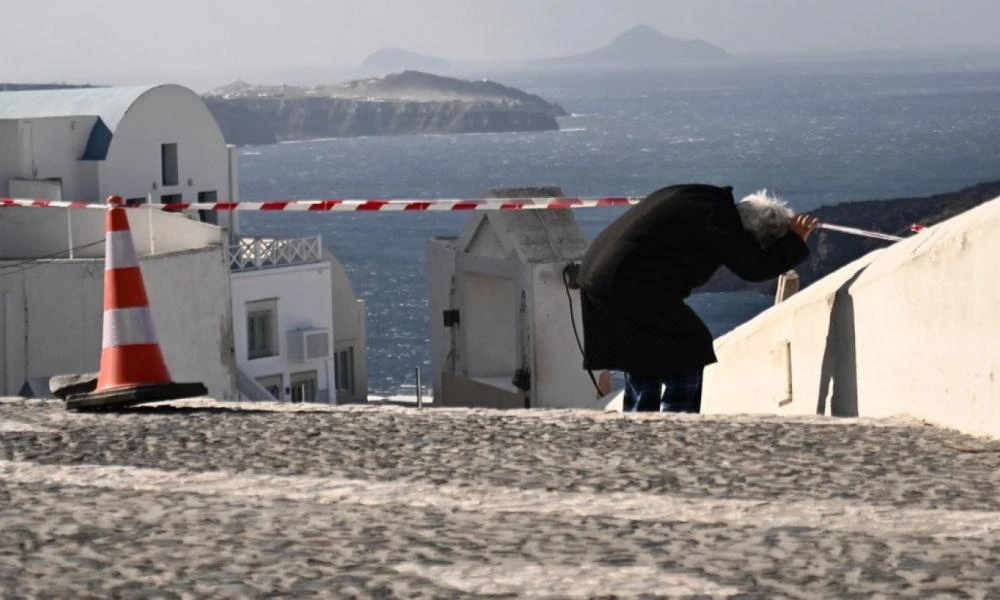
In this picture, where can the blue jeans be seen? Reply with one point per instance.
(680, 394)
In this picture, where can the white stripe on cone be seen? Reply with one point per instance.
(120, 250)
(128, 327)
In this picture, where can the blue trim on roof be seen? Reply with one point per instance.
(98, 142)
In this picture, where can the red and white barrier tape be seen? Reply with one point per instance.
(863, 233)
(339, 205)
(372, 205)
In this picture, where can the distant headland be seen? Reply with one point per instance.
(411, 102)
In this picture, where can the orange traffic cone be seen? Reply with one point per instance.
(132, 370)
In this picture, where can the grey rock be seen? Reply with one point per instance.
(63, 386)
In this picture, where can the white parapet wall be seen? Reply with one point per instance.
(51, 315)
(31, 233)
(911, 330)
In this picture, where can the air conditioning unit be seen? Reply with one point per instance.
(309, 344)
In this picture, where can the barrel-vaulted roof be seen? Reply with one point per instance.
(108, 104)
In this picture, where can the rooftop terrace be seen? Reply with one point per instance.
(256, 253)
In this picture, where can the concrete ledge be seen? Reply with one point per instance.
(911, 330)
(457, 391)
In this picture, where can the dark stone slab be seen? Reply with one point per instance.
(131, 396)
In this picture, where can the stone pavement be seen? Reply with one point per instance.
(211, 500)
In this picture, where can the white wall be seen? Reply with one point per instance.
(440, 282)
(47, 148)
(53, 314)
(558, 375)
(349, 323)
(56, 145)
(304, 296)
(8, 153)
(166, 114)
(909, 330)
(196, 331)
(36, 189)
(489, 321)
(34, 232)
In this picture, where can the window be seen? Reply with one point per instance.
(273, 384)
(168, 164)
(135, 201)
(344, 370)
(208, 216)
(262, 329)
(304, 386)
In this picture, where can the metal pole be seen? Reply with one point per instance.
(149, 214)
(420, 398)
(69, 230)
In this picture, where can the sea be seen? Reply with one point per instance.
(814, 133)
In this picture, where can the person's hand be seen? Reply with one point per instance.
(803, 225)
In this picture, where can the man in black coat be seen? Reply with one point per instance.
(636, 274)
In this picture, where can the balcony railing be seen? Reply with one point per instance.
(252, 254)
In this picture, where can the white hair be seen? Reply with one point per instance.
(765, 216)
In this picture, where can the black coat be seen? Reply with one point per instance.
(638, 271)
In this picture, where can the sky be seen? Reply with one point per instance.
(209, 42)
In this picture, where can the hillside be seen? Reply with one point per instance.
(832, 250)
(29, 87)
(395, 59)
(643, 46)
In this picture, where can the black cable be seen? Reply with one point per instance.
(29, 264)
(572, 319)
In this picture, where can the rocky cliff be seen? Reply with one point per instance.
(406, 103)
(831, 250)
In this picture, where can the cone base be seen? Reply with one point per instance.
(132, 395)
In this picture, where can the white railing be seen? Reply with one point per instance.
(251, 254)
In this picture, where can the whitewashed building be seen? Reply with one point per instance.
(502, 281)
(150, 142)
(290, 347)
(291, 312)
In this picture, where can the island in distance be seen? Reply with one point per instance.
(411, 102)
(642, 46)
